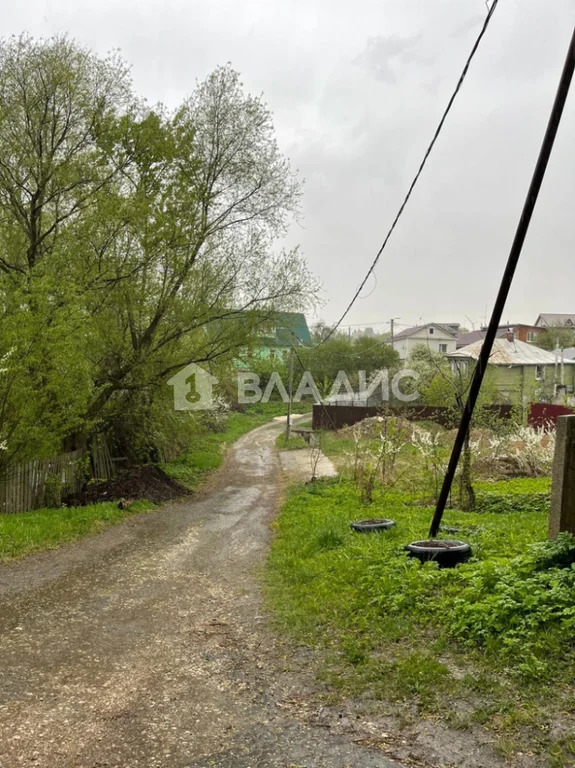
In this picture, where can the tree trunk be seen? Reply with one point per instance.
(466, 492)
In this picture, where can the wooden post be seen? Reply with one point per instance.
(562, 517)
(289, 407)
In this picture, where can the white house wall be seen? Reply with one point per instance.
(432, 341)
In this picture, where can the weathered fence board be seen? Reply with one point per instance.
(102, 464)
(45, 482)
(546, 415)
(337, 416)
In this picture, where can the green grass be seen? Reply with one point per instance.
(335, 446)
(206, 449)
(516, 495)
(27, 532)
(293, 444)
(516, 485)
(495, 634)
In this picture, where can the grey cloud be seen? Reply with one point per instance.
(357, 90)
(384, 56)
(467, 26)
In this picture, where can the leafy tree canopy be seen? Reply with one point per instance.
(133, 241)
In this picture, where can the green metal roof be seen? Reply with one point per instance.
(285, 324)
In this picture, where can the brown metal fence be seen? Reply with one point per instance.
(45, 482)
(337, 416)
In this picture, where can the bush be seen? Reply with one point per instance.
(508, 502)
(524, 608)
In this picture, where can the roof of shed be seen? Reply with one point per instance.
(284, 324)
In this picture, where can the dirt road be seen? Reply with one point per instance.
(147, 645)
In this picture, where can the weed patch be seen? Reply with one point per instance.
(294, 443)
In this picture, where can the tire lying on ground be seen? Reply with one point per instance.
(372, 526)
(446, 552)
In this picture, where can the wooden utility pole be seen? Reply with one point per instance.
(290, 389)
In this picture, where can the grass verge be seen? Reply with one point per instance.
(27, 532)
(293, 444)
(206, 449)
(489, 643)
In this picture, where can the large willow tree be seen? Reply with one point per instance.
(132, 242)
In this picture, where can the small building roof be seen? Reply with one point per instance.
(463, 339)
(507, 352)
(284, 324)
(412, 331)
(555, 320)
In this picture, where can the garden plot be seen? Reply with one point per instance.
(486, 648)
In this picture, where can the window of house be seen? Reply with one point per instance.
(443, 347)
(539, 372)
(530, 336)
(431, 330)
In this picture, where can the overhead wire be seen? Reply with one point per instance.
(372, 290)
(422, 165)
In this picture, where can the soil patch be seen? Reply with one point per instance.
(438, 544)
(145, 482)
(297, 466)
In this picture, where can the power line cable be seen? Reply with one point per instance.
(420, 169)
(370, 323)
(507, 279)
(372, 290)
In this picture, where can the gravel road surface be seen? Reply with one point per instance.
(148, 645)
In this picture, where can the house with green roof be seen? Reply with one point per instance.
(277, 334)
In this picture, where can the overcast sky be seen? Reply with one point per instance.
(357, 89)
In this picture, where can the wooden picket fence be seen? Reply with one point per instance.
(45, 482)
(102, 464)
